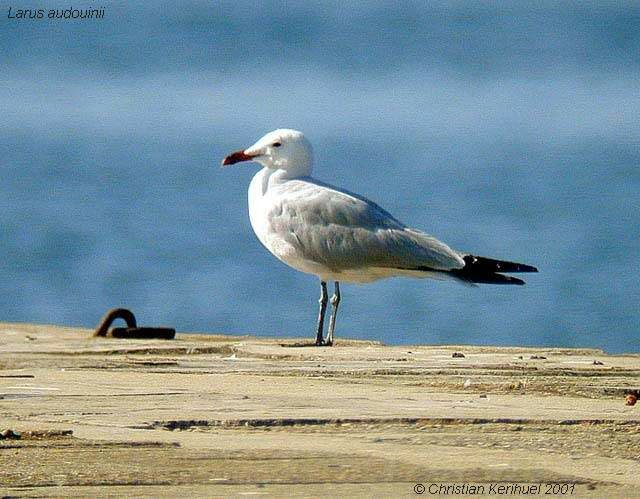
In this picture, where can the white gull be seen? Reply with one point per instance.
(340, 236)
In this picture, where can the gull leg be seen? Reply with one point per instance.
(335, 301)
(323, 309)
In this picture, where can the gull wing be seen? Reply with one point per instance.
(344, 231)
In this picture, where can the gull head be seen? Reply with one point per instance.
(282, 149)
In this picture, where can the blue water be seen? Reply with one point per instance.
(508, 129)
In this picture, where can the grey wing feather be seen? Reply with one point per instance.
(342, 231)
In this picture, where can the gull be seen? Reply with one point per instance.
(340, 236)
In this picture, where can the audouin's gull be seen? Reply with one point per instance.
(340, 236)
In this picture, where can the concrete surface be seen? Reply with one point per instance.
(211, 415)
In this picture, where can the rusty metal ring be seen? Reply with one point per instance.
(112, 315)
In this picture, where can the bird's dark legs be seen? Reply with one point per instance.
(335, 301)
(323, 309)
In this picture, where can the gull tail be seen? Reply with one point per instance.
(482, 270)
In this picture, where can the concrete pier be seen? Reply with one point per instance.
(213, 415)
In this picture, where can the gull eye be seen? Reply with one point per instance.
(276, 144)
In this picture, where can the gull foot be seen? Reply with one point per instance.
(324, 343)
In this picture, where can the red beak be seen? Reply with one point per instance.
(236, 157)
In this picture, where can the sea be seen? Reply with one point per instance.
(508, 129)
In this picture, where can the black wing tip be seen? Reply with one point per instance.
(513, 280)
(481, 263)
(493, 278)
(481, 270)
(525, 268)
